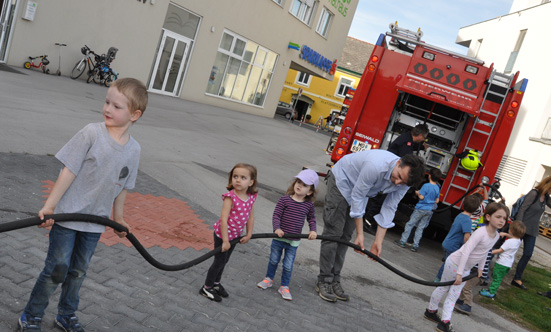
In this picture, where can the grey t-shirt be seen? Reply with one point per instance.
(103, 168)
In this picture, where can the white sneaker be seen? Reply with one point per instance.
(266, 283)
(285, 293)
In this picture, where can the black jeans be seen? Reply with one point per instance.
(220, 260)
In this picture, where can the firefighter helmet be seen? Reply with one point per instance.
(471, 161)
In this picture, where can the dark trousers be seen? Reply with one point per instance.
(220, 260)
(337, 224)
(529, 243)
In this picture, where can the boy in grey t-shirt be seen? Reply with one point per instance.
(100, 164)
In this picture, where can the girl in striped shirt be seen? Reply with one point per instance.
(289, 215)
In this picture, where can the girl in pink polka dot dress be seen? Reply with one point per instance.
(460, 263)
(237, 214)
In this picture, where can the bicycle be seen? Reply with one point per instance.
(102, 72)
(87, 60)
(42, 64)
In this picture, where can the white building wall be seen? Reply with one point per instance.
(524, 4)
(493, 41)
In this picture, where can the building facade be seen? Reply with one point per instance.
(517, 42)
(231, 54)
(320, 98)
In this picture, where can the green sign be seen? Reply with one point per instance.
(341, 6)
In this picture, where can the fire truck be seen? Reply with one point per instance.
(466, 105)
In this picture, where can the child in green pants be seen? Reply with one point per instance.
(506, 256)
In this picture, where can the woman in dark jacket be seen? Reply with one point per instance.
(530, 213)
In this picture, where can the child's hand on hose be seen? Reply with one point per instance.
(279, 232)
(226, 246)
(458, 279)
(244, 239)
(45, 211)
(122, 234)
(312, 235)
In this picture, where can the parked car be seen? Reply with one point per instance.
(284, 109)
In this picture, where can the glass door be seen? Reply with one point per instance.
(6, 17)
(170, 64)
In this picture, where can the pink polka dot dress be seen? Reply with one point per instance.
(239, 215)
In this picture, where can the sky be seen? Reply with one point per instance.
(439, 20)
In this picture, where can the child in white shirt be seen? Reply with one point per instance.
(506, 256)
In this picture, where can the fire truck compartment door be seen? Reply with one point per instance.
(444, 80)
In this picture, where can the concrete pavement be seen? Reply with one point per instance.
(187, 148)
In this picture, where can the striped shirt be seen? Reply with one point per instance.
(289, 215)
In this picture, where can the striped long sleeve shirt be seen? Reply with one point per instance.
(289, 215)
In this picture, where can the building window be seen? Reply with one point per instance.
(303, 10)
(279, 2)
(242, 70)
(343, 84)
(326, 18)
(514, 54)
(303, 78)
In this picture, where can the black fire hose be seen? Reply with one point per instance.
(13, 225)
(459, 200)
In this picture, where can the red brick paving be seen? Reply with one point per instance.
(158, 221)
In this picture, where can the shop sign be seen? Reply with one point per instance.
(317, 59)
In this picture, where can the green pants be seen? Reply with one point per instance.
(499, 273)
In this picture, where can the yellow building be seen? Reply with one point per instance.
(319, 97)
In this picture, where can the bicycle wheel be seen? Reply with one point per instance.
(79, 69)
(99, 76)
(93, 75)
(27, 65)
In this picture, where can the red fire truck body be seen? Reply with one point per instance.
(466, 105)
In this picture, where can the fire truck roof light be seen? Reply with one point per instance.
(428, 56)
(380, 40)
(522, 84)
(471, 69)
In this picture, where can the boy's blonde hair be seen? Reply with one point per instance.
(310, 197)
(517, 228)
(252, 189)
(135, 91)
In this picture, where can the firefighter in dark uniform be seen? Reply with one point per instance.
(410, 142)
(407, 143)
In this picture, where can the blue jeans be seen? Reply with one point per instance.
(419, 218)
(529, 243)
(446, 254)
(67, 261)
(275, 256)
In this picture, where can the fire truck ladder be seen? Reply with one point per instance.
(498, 88)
